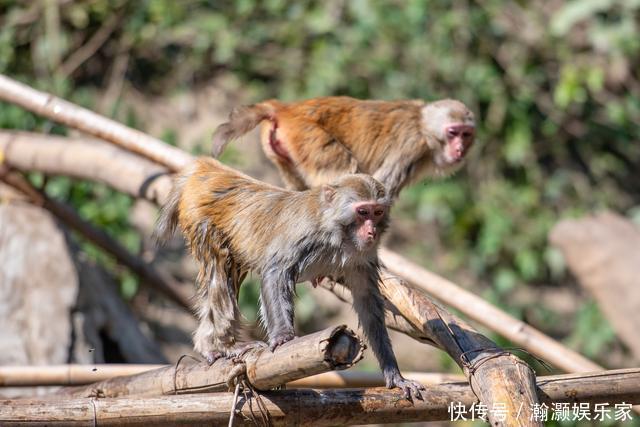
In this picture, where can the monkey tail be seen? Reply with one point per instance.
(168, 219)
(241, 120)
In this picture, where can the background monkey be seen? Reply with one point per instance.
(234, 224)
(315, 141)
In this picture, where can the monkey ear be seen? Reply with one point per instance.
(328, 193)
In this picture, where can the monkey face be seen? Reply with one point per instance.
(458, 139)
(360, 204)
(450, 130)
(369, 216)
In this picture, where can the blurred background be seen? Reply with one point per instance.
(555, 86)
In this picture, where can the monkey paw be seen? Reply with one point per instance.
(212, 355)
(411, 388)
(280, 339)
(240, 350)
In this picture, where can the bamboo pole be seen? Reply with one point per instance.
(309, 407)
(66, 375)
(64, 213)
(61, 111)
(100, 162)
(74, 375)
(481, 311)
(332, 348)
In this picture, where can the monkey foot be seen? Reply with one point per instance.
(240, 350)
(280, 339)
(410, 388)
(212, 356)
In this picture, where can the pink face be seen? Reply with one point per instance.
(459, 138)
(368, 215)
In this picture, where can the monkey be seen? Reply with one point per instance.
(313, 142)
(234, 224)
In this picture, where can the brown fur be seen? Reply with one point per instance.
(323, 138)
(234, 224)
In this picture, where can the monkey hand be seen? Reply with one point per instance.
(280, 339)
(411, 388)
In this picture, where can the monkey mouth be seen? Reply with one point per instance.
(370, 241)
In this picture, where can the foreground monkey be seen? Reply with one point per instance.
(315, 141)
(234, 224)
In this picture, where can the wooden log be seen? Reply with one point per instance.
(307, 407)
(333, 348)
(601, 251)
(357, 379)
(494, 374)
(72, 374)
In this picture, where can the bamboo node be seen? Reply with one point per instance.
(343, 348)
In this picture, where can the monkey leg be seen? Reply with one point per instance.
(290, 176)
(276, 310)
(218, 313)
(305, 154)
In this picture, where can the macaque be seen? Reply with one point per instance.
(315, 141)
(234, 224)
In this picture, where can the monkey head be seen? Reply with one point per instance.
(360, 204)
(450, 129)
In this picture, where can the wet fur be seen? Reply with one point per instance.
(235, 224)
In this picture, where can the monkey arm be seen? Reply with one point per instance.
(369, 305)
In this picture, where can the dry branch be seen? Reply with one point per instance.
(68, 216)
(333, 348)
(301, 407)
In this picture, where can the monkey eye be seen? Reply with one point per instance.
(362, 211)
(466, 134)
(378, 212)
(452, 132)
